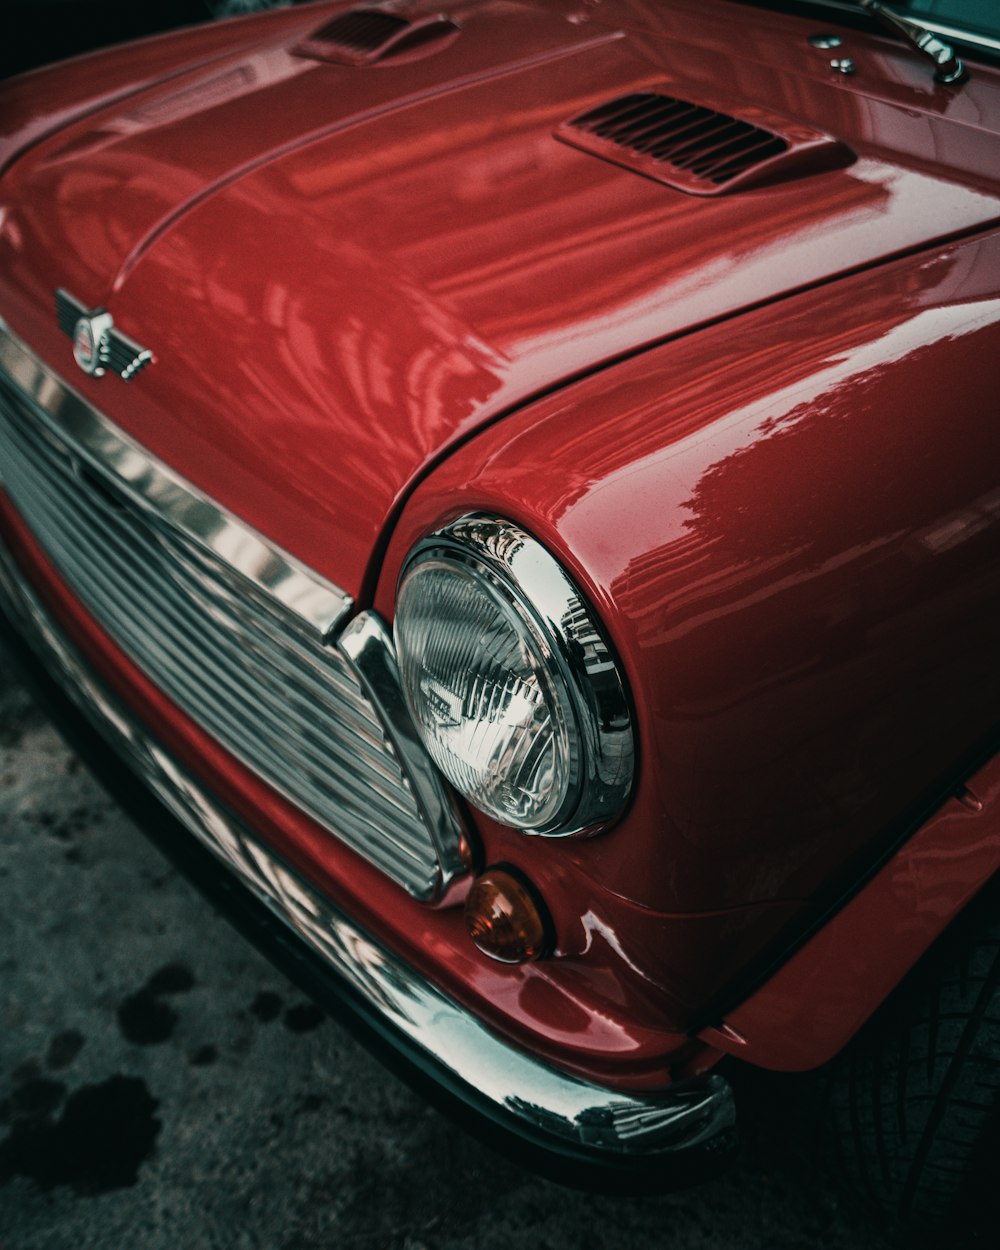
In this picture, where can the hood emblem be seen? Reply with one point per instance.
(97, 346)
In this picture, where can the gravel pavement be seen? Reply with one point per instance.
(161, 1086)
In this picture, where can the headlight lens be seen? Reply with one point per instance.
(509, 682)
(488, 711)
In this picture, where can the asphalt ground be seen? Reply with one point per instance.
(162, 1086)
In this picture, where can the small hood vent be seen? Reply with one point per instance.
(368, 36)
(699, 149)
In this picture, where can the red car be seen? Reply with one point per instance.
(518, 483)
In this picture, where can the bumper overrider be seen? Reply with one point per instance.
(549, 1118)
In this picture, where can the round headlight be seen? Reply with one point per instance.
(509, 681)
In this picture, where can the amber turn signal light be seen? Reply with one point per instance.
(504, 918)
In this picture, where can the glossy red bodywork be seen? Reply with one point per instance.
(805, 605)
(380, 261)
(817, 1000)
(759, 431)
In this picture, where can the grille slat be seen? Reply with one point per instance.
(290, 709)
(319, 681)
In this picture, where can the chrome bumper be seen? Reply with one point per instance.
(550, 1110)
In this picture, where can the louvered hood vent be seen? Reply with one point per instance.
(368, 36)
(698, 149)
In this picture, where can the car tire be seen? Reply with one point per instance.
(914, 1101)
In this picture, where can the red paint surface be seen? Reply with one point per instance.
(791, 527)
(350, 270)
(789, 519)
(825, 992)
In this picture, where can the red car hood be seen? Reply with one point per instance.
(344, 271)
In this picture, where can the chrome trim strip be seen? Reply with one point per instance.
(368, 645)
(692, 1113)
(311, 601)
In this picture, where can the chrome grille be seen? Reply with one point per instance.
(293, 710)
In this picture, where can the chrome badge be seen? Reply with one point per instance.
(97, 346)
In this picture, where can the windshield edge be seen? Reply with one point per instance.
(972, 39)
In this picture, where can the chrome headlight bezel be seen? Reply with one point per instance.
(570, 648)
